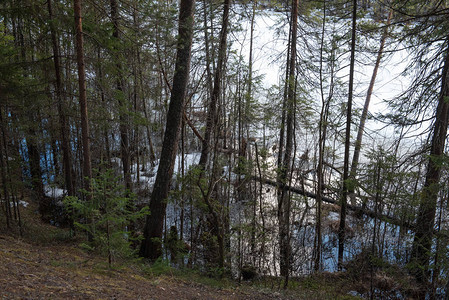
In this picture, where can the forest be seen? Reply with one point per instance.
(248, 140)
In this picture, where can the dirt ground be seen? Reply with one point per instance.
(29, 271)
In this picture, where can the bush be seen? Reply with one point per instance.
(106, 217)
(248, 272)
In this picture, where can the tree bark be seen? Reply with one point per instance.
(3, 171)
(35, 167)
(246, 125)
(65, 143)
(212, 116)
(284, 199)
(358, 141)
(322, 126)
(151, 246)
(422, 242)
(87, 169)
(211, 126)
(123, 126)
(207, 49)
(346, 183)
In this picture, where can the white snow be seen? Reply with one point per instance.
(147, 181)
(54, 192)
(21, 202)
(333, 216)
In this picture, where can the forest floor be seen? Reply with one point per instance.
(66, 272)
(46, 263)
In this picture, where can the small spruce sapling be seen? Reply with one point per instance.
(106, 216)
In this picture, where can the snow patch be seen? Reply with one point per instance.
(54, 192)
(21, 202)
(333, 216)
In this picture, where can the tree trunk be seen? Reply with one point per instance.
(422, 243)
(280, 183)
(35, 168)
(31, 111)
(207, 50)
(246, 124)
(212, 116)
(151, 245)
(284, 200)
(358, 142)
(65, 143)
(87, 169)
(150, 140)
(211, 126)
(346, 183)
(123, 126)
(284, 106)
(321, 145)
(3, 171)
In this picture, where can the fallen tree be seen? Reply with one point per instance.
(358, 209)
